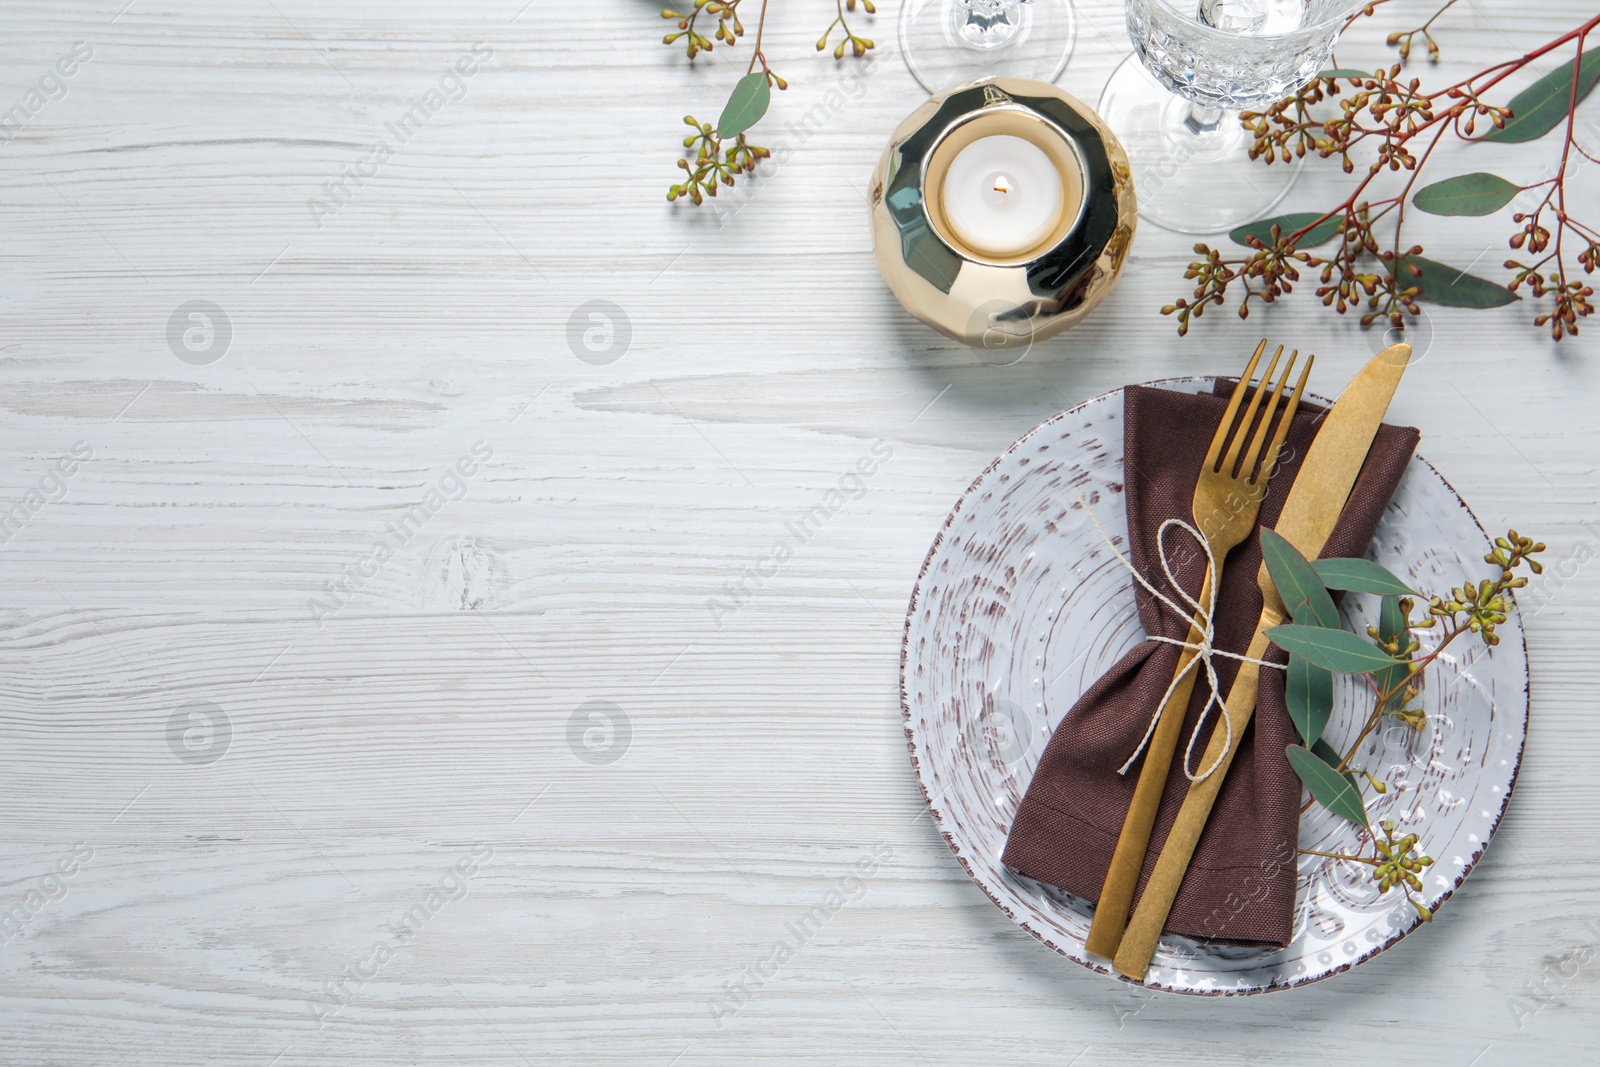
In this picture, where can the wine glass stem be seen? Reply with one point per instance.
(986, 24)
(1202, 119)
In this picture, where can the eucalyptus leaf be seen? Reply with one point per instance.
(1309, 691)
(1330, 755)
(1359, 576)
(1303, 592)
(1328, 787)
(1339, 651)
(1542, 106)
(1479, 193)
(1391, 624)
(1287, 224)
(1446, 285)
(745, 106)
(1343, 72)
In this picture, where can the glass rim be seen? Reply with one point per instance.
(1187, 10)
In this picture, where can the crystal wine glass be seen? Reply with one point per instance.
(947, 42)
(1189, 152)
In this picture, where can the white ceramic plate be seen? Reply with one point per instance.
(1020, 607)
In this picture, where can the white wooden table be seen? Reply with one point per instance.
(299, 757)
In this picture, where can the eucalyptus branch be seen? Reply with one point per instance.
(1391, 665)
(1394, 863)
(1403, 40)
(1383, 277)
(718, 154)
(725, 12)
(1571, 297)
(761, 29)
(858, 45)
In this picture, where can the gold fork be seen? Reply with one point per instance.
(1227, 499)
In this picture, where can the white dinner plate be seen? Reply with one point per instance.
(1020, 607)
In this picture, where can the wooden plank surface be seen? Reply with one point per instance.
(409, 758)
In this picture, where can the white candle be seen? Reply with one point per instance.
(1002, 195)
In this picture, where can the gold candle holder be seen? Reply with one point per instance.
(980, 298)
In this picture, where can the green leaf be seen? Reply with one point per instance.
(1391, 624)
(1287, 224)
(745, 107)
(1339, 651)
(1302, 591)
(1309, 690)
(1478, 193)
(1451, 287)
(1542, 106)
(1329, 755)
(1343, 72)
(1328, 787)
(1359, 576)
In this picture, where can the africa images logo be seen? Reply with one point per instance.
(851, 485)
(51, 86)
(451, 87)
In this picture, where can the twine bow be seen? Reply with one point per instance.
(1204, 649)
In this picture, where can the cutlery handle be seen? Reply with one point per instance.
(1122, 878)
(1144, 929)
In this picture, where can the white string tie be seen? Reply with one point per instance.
(1204, 649)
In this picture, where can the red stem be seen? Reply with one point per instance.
(761, 25)
(1566, 154)
(1501, 71)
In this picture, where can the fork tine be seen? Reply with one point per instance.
(1247, 467)
(1269, 459)
(1256, 397)
(1221, 436)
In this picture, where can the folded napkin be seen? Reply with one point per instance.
(1240, 887)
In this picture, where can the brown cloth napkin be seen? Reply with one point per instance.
(1240, 888)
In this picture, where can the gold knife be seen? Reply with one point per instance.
(1315, 501)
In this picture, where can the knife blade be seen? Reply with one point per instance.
(1315, 501)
